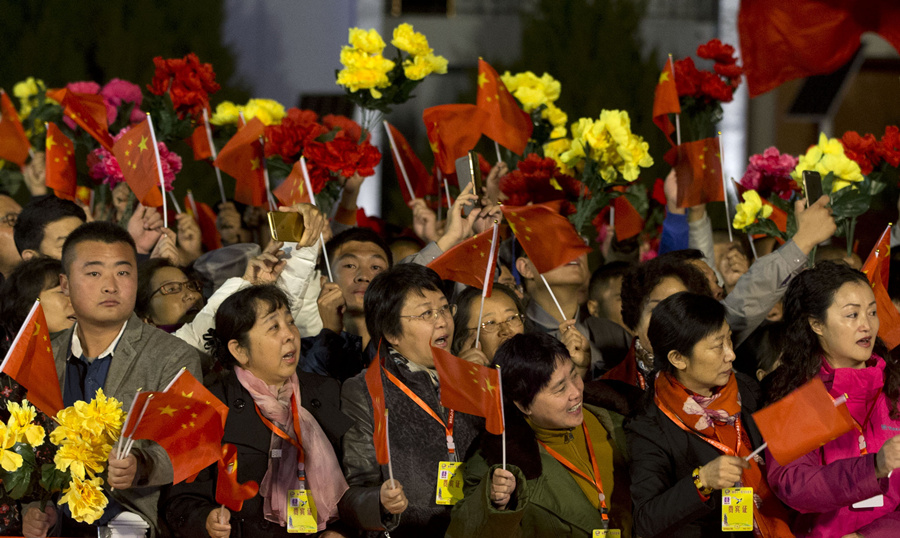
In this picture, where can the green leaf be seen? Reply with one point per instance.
(826, 183)
(52, 479)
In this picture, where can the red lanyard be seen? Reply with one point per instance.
(280, 433)
(861, 429)
(598, 484)
(716, 444)
(448, 427)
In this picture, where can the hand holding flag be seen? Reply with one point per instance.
(230, 492)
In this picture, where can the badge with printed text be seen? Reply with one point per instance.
(606, 533)
(301, 512)
(449, 483)
(737, 509)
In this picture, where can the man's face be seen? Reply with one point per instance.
(55, 235)
(355, 264)
(101, 282)
(9, 255)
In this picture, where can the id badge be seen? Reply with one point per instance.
(737, 509)
(606, 533)
(301, 512)
(872, 502)
(449, 483)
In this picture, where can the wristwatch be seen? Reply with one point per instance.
(705, 491)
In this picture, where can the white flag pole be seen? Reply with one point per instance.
(212, 149)
(162, 182)
(488, 277)
(725, 188)
(412, 194)
(677, 116)
(553, 296)
(312, 199)
(175, 202)
(387, 441)
(502, 414)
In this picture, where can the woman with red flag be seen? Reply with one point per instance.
(845, 487)
(285, 423)
(694, 438)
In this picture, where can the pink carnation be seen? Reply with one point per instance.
(771, 172)
(104, 167)
(86, 86)
(118, 91)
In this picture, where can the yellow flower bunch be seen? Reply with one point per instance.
(26, 91)
(269, 111)
(610, 143)
(422, 61)
(368, 41)
(750, 209)
(554, 150)
(532, 91)
(18, 429)
(365, 68)
(828, 156)
(419, 67)
(408, 40)
(85, 498)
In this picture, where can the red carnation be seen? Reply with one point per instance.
(715, 88)
(889, 148)
(862, 149)
(687, 77)
(344, 156)
(717, 51)
(346, 125)
(188, 82)
(297, 129)
(538, 180)
(729, 70)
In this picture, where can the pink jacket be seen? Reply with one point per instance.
(823, 484)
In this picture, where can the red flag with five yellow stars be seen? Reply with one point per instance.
(30, 362)
(229, 491)
(470, 388)
(14, 145)
(877, 268)
(699, 170)
(452, 130)
(189, 430)
(665, 101)
(187, 385)
(88, 111)
(626, 220)
(507, 123)
(467, 262)
(547, 237)
(293, 189)
(422, 182)
(241, 158)
(375, 386)
(137, 158)
(60, 168)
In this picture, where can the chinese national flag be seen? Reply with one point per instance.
(30, 362)
(229, 491)
(549, 239)
(189, 430)
(185, 384)
(452, 130)
(802, 421)
(698, 166)
(627, 221)
(665, 101)
(241, 158)
(14, 145)
(467, 262)
(470, 388)
(507, 123)
(60, 163)
(200, 144)
(376, 391)
(781, 40)
(877, 268)
(422, 182)
(206, 219)
(88, 111)
(137, 158)
(293, 189)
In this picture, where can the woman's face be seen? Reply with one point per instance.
(57, 309)
(558, 405)
(171, 307)
(669, 285)
(273, 346)
(501, 319)
(418, 335)
(847, 335)
(709, 364)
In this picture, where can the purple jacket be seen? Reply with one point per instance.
(823, 484)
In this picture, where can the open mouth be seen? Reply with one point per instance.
(865, 342)
(574, 409)
(289, 356)
(72, 318)
(441, 341)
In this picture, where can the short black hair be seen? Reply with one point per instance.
(641, 279)
(527, 362)
(602, 275)
(464, 300)
(237, 315)
(101, 231)
(23, 285)
(679, 322)
(28, 233)
(363, 235)
(387, 292)
(761, 349)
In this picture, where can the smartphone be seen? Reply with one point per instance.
(468, 170)
(286, 226)
(812, 186)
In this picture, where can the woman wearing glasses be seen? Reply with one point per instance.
(406, 314)
(502, 319)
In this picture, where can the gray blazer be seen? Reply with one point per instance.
(145, 358)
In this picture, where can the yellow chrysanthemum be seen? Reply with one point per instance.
(750, 209)
(555, 116)
(609, 142)
(420, 67)
(532, 91)
(26, 91)
(368, 41)
(408, 40)
(828, 156)
(364, 72)
(20, 424)
(227, 113)
(80, 457)
(85, 499)
(9, 460)
(269, 111)
(101, 417)
(554, 149)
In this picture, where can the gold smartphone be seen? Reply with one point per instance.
(286, 226)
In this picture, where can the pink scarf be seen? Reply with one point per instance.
(323, 473)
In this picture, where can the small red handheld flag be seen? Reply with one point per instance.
(698, 167)
(467, 262)
(60, 163)
(376, 391)
(548, 238)
(229, 491)
(138, 160)
(452, 130)
(665, 101)
(241, 158)
(507, 124)
(14, 145)
(470, 388)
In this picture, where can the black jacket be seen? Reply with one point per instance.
(188, 504)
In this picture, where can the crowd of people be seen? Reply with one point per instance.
(628, 391)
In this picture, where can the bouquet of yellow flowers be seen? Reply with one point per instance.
(269, 111)
(537, 96)
(374, 82)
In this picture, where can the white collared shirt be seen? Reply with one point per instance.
(78, 351)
